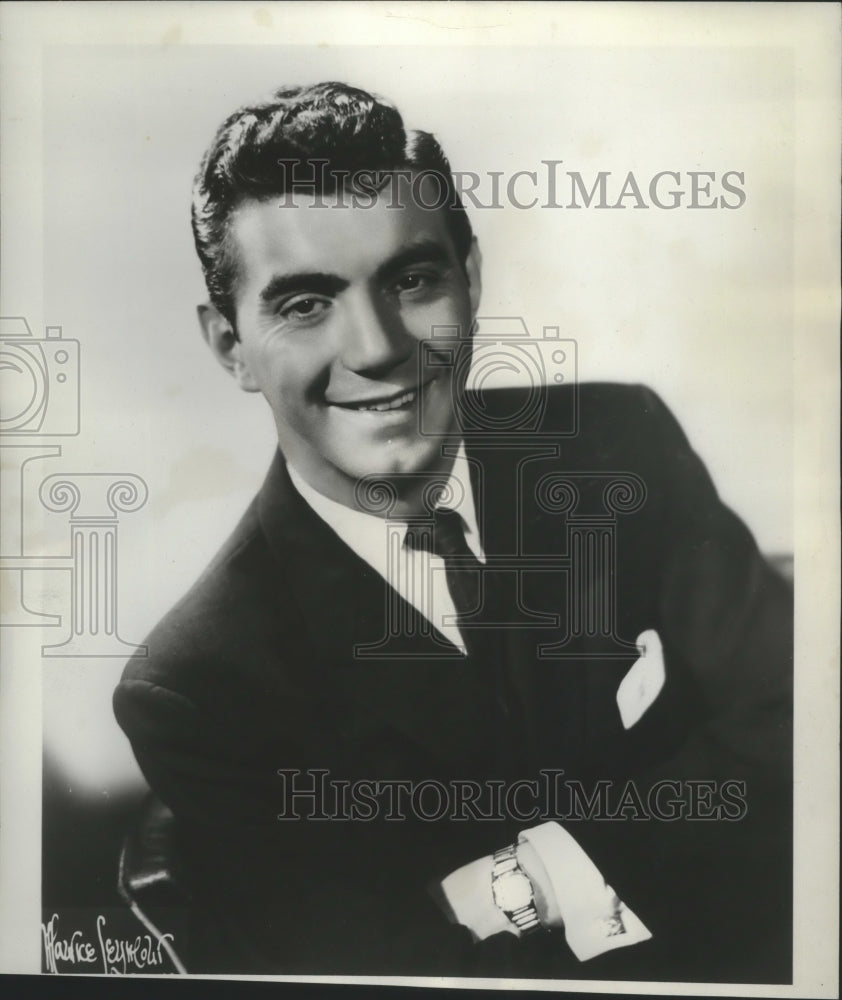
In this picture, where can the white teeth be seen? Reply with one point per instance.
(393, 404)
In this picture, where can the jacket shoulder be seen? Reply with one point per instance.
(615, 400)
(618, 421)
(593, 404)
(217, 614)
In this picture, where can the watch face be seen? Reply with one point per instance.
(512, 891)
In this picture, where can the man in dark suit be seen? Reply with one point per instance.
(482, 684)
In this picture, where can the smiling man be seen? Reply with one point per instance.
(428, 712)
(332, 306)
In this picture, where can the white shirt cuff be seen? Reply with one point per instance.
(468, 892)
(595, 919)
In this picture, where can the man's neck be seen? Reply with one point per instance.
(361, 527)
(388, 495)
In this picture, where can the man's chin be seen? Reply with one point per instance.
(429, 455)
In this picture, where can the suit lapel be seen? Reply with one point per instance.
(409, 681)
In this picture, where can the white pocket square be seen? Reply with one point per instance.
(642, 684)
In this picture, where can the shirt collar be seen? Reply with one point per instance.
(364, 533)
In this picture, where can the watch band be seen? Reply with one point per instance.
(506, 868)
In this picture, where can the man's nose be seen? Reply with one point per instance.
(374, 338)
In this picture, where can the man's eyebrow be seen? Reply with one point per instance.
(423, 252)
(317, 282)
(321, 283)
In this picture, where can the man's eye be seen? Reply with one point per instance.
(304, 308)
(414, 281)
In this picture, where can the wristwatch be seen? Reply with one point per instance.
(512, 890)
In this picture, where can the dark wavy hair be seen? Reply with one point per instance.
(341, 129)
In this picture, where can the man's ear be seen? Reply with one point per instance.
(473, 268)
(221, 338)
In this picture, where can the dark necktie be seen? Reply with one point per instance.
(472, 591)
(445, 536)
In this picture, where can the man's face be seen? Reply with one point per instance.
(332, 306)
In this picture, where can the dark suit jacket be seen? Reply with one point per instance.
(254, 671)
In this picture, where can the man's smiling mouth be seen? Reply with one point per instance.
(381, 404)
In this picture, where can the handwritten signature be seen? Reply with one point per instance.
(111, 955)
